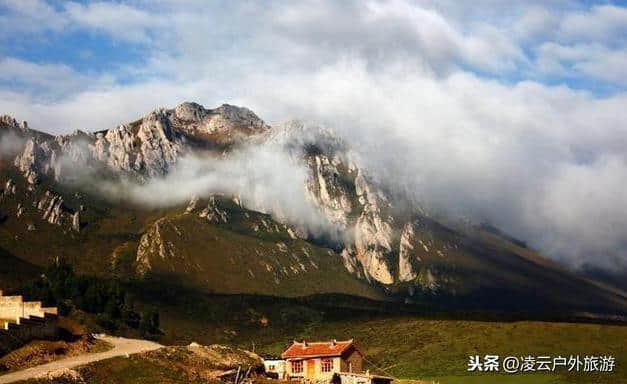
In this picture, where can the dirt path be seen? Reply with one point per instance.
(121, 347)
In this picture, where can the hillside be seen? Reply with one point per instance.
(196, 198)
(408, 347)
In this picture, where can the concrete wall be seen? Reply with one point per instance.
(275, 366)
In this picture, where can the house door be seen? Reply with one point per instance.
(311, 369)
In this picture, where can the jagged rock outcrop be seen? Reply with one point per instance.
(427, 280)
(406, 270)
(151, 243)
(9, 188)
(76, 221)
(325, 191)
(160, 145)
(350, 261)
(116, 147)
(226, 119)
(341, 191)
(34, 160)
(54, 212)
(192, 205)
(20, 210)
(213, 213)
(11, 122)
(372, 244)
(147, 148)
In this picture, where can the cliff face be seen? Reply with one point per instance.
(146, 148)
(383, 242)
(151, 146)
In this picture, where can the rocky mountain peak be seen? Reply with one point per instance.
(226, 121)
(10, 121)
(147, 147)
(190, 111)
(150, 147)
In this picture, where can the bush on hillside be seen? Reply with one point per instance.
(60, 286)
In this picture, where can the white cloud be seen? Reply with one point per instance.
(29, 16)
(52, 81)
(395, 78)
(481, 149)
(115, 19)
(534, 23)
(604, 22)
(264, 177)
(593, 60)
(118, 20)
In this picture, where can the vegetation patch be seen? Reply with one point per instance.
(109, 300)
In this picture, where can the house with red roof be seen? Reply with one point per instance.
(326, 362)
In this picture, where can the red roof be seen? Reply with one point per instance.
(315, 349)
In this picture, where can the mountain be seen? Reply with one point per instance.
(110, 202)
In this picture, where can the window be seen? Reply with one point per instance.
(297, 366)
(326, 365)
(271, 368)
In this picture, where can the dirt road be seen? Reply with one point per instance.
(121, 347)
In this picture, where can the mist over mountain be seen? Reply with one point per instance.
(532, 186)
(518, 123)
(298, 198)
(423, 149)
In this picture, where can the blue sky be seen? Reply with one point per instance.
(512, 111)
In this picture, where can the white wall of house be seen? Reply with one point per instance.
(317, 371)
(276, 366)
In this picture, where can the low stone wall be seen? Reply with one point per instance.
(13, 308)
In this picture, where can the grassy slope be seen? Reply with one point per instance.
(211, 257)
(484, 271)
(232, 258)
(487, 271)
(409, 347)
(418, 348)
(121, 370)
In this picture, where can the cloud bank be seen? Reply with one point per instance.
(507, 112)
(264, 177)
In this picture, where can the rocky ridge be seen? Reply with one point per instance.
(385, 242)
(149, 147)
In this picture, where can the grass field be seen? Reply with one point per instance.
(438, 350)
(412, 349)
(417, 346)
